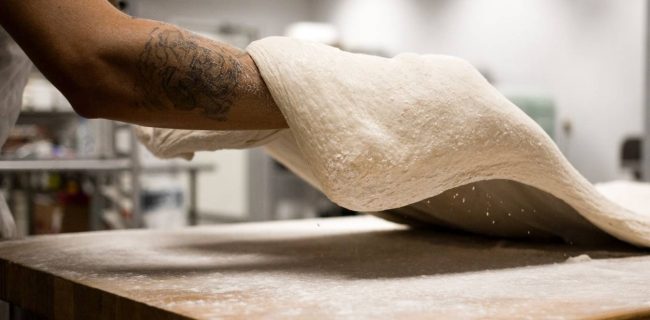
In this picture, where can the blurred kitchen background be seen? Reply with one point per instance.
(578, 67)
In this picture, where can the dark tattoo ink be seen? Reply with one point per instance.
(190, 75)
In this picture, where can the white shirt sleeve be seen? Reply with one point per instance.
(14, 71)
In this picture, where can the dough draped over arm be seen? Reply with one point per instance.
(376, 134)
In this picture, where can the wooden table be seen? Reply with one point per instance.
(359, 267)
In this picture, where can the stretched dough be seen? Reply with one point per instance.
(376, 134)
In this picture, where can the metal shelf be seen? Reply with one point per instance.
(65, 165)
(96, 165)
(177, 167)
(46, 113)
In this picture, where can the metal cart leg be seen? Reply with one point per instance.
(193, 210)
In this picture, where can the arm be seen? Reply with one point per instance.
(112, 66)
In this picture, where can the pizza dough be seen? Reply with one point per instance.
(173, 143)
(376, 134)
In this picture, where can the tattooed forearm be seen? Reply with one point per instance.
(181, 70)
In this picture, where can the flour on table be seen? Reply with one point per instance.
(580, 258)
(376, 134)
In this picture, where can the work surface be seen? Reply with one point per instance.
(360, 267)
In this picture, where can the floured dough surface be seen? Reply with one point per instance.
(378, 134)
(166, 143)
(502, 208)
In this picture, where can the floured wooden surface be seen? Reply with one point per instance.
(360, 267)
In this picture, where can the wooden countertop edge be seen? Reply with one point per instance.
(67, 299)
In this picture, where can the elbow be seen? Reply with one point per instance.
(84, 106)
(78, 83)
(90, 91)
(86, 110)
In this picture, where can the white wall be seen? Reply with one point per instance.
(225, 191)
(270, 17)
(588, 54)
